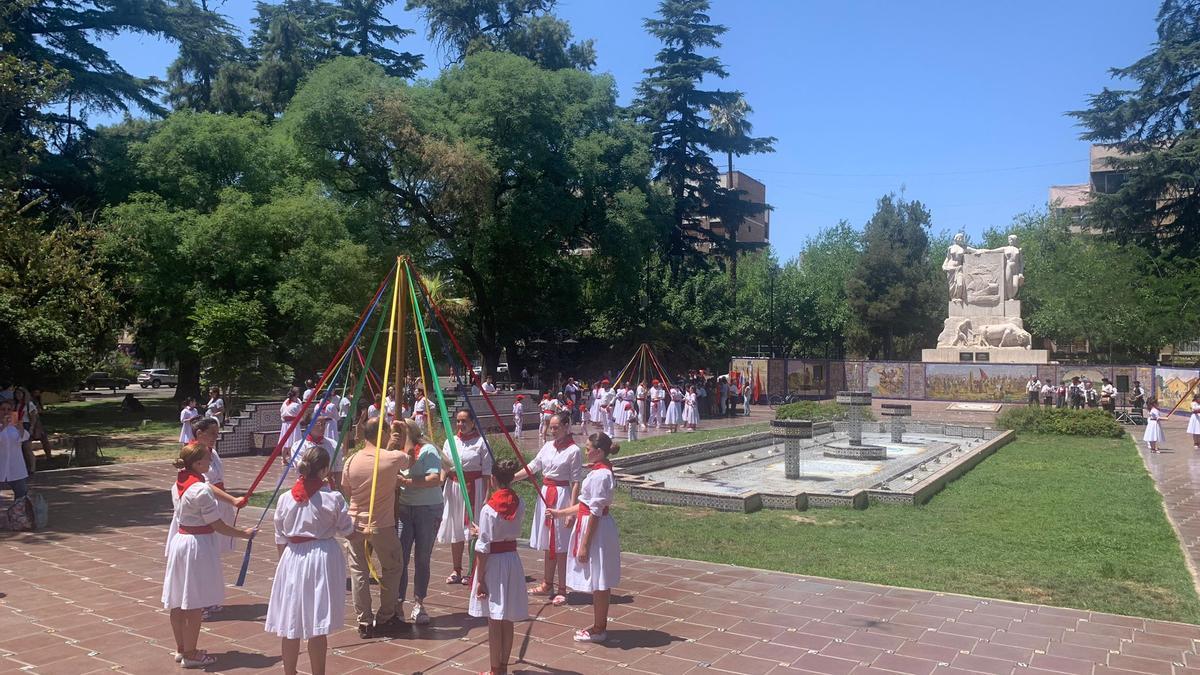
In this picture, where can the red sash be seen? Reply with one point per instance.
(196, 529)
(584, 512)
(509, 546)
(300, 540)
(552, 486)
(471, 477)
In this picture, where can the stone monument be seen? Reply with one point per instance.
(984, 322)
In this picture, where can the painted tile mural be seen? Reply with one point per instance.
(960, 382)
(807, 378)
(776, 377)
(1172, 385)
(887, 380)
(916, 380)
(1093, 373)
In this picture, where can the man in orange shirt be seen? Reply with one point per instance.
(378, 529)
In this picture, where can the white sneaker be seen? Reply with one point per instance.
(419, 616)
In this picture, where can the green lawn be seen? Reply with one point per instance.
(130, 437)
(1066, 521)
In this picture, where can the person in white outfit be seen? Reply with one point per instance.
(608, 404)
(594, 560)
(422, 409)
(561, 464)
(498, 590)
(1194, 422)
(518, 411)
(691, 413)
(477, 471)
(308, 595)
(289, 412)
(1154, 433)
(193, 576)
(215, 408)
(545, 410)
(674, 413)
(657, 395)
(188, 415)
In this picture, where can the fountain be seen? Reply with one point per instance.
(854, 448)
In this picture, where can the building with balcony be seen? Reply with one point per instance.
(754, 232)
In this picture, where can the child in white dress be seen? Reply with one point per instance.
(193, 578)
(561, 464)
(308, 596)
(1194, 423)
(518, 410)
(1154, 433)
(691, 413)
(674, 413)
(477, 470)
(594, 560)
(187, 416)
(498, 591)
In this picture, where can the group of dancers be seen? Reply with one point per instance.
(571, 524)
(1153, 435)
(624, 408)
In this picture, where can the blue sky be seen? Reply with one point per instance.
(960, 104)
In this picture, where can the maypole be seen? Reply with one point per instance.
(379, 429)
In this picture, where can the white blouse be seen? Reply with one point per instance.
(323, 516)
(473, 455)
(12, 460)
(560, 465)
(494, 528)
(197, 507)
(597, 490)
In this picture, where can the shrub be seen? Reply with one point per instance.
(816, 411)
(1087, 422)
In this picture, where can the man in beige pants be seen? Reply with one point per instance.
(380, 528)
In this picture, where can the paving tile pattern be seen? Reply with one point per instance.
(1176, 473)
(83, 597)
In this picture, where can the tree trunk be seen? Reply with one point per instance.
(731, 231)
(189, 378)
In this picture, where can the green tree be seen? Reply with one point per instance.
(497, 161)
(1156, 126)
(365, 32)
(672, 105)
(825, 266)
(522, 27)
(893, 294)
(733, 128)
(207, 43)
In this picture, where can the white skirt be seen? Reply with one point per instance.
(602, 571)
(193, 579)
(507, 600)
(539, 534)
(1154, 432)
(673, 416)
(691, 415)
(308, 597)
(228, 514)
(1194, 424)
(620, 414)
(453, 529)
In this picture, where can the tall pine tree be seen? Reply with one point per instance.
(207, 43)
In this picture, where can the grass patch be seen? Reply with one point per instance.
(1048, 519)
(128, 437)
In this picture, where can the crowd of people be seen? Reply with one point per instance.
(391, 500)
(1080, 393)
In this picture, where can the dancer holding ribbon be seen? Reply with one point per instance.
(308, 595)
(193, 577)
(498, 592)
(594, 562)
(561, 464)
(477, 470)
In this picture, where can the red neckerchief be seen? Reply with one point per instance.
(565, 443)
(467, 439)
(185, 479)
(306, 488)
(505, 503)
(601, 465)
(315, 441)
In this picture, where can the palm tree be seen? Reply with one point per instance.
(731, 123)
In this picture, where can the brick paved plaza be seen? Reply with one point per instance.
(82, 597)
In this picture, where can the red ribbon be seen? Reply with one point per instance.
(552, 486)
(470, 477)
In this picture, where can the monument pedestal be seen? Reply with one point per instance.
(990, 354)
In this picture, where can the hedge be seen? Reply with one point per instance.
(1086, 422)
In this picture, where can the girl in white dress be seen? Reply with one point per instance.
(187, 433)
(477, 470)
(1194, 423)
(545, 410)
(518, 410)
(620, 413)
(215, 408)
(594, 406)
(308, 596)
(594, 562)
(1154, 433)
(674, 413)
(289, 411)
(691, 413)
(498, 591)
(193, 578)
(561, 464)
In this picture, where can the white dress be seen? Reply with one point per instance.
(216, 476)
(602, 571)
(674, 414)
(507, 600)
(12, 460)
(594, 407)
(193, 578)
(475, 459)
(691, 414)
(564, 465)
(620, 413)
(1154, 432)
(1194, 420)
(330, 413)
(289, 411)
(518, 410)
(215, 409)
(308, 596)
(186, 433)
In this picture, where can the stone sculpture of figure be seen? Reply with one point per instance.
(1014, 267)
(953, 267)
(974, 333)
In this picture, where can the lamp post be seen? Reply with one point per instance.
(771, 295)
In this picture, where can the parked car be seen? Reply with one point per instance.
(104, 381)
(502, 368)
(156, 377)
